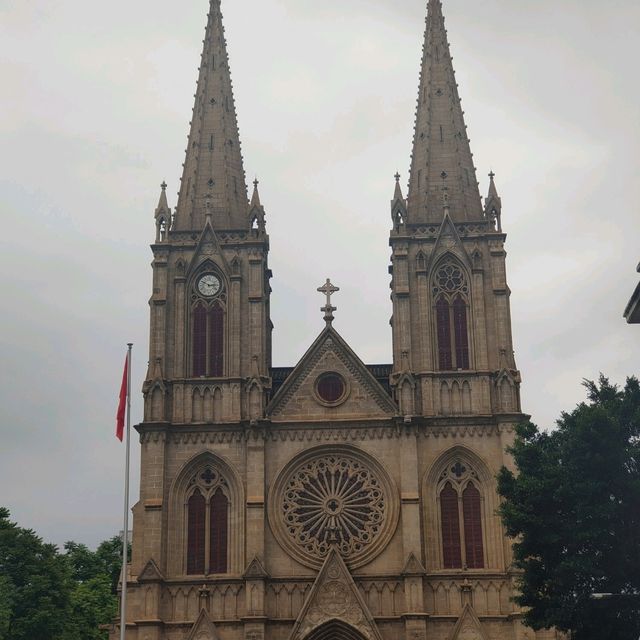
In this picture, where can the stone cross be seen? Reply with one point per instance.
(328, 289)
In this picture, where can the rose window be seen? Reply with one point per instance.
(334, 500)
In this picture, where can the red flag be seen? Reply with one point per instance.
(123, 401)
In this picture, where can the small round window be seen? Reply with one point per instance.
(331, 388)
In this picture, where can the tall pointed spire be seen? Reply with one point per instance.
(440, 145)
(213, 169)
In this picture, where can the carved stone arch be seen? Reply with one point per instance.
(157, 393)
(450, 284)
(205, 265)
(235, 266)
(178, 496)
(450, 256)
(421, 261)
(162, 227)
(463, 454)
(476, 258)
(477, 471)
(399, 215)
(254, 393)
(194, 301)
(335, 630)
(505, 393)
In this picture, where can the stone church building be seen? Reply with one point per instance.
(334, 499)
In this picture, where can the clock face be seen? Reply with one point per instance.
(209, 285)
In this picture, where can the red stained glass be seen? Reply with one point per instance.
(444, 335)
(471, 510)
(216, 341)
(218, 526)
(461, 334)
(449, 515)
(199, 341)
(195, 535)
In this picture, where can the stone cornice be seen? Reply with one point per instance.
(325, 432)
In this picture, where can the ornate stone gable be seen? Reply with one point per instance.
(203, 629)
(330, 382)
(151, 573)
(448, 241)
(334, 596)
(468, 626)
(208, 248)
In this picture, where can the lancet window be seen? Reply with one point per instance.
(207, 327)
(461, 517)
(207, 519)
(451, 294)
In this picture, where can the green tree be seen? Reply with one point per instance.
(574, 512)
(91, 604)
(34, 579)
(46, 595)
(93, 598)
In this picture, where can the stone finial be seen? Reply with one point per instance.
(328, 289)
(493, 191)
(493, 204)
(255, 198)
(398, 192)
(163, 205)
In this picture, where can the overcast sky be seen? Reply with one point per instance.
(97, 97)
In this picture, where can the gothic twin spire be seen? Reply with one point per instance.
(213, 180)
(442, 157)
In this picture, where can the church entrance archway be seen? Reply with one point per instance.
(335, 630)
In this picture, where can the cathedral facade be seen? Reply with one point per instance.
(332, 500)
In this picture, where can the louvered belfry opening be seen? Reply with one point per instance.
(208, 341)
(335, 630)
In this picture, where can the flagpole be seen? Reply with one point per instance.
(125, 533)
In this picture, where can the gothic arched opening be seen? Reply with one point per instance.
(335, 630)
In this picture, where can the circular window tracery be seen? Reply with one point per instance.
(450, 278)
(333, 498)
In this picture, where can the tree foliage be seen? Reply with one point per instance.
(574, 511)
(48, 595)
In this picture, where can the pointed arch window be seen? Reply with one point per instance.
(207, 524)
(461, 518)
(207, 327)
(451, 295)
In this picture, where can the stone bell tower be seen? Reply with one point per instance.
(452, 345)
(209, 358)
(210, 347)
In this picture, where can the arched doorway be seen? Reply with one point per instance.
(335, 630)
